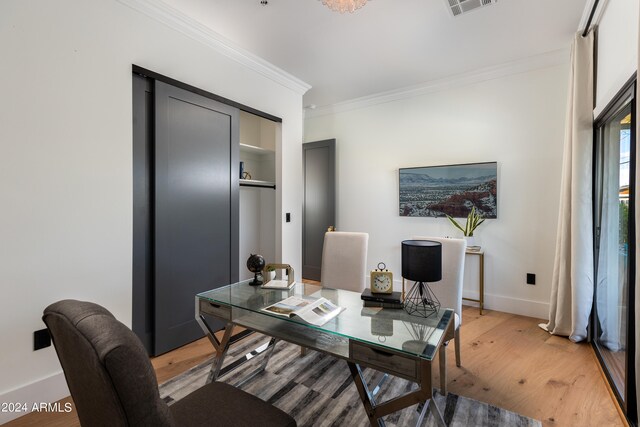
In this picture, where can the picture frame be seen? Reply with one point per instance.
(437, 191)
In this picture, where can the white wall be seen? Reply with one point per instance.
(66, 163)
(257, 227)
(617, 49)
(257, 205)
(517, 120)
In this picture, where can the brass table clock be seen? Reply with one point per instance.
(381, 280)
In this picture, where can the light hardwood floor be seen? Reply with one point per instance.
(507, 360)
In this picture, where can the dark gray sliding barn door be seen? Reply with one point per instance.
(319, 202)
(196, 208)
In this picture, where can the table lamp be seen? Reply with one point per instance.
(421, 263)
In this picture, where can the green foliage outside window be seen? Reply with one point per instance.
(623, 217)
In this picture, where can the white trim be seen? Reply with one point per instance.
(585, 14)
(609, 96)
(173, 18)
(46, 390)
(596, 16)
(523, 307)
(546, 60)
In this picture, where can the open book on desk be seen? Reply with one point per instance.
(316, 311)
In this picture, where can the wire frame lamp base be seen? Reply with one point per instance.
(421, 301)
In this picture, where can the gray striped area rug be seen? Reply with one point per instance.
(317, 390)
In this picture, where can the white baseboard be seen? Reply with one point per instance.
(523, 307)
(46, 390)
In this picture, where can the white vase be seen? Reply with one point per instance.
(471, 240)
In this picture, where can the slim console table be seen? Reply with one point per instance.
(480, 301)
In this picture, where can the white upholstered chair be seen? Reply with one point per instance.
(449, 289)
(344, 260)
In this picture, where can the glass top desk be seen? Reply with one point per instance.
(388, 340)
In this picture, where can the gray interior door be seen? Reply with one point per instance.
(319, 202)
(196, 208)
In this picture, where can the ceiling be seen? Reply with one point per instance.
(388, 44)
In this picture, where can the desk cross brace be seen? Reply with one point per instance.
(375, 411)
(222, 346)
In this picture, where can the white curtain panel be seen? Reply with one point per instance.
(609, 280)
(572, 282)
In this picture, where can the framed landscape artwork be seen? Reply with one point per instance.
(453, 190)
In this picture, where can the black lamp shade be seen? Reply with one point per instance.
(422, 260)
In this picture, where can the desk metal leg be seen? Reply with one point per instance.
(443, 368)
(376, 389)
(376, 411)
(222, 346)
(268, 348)
(221, 352)
(437, 415)
(368, 399)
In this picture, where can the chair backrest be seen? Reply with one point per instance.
(449, 289)
(344, 260)
(106, 367)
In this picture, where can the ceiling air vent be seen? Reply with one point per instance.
(458, 7)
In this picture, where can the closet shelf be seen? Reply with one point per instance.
(255, 150)
(257, 183)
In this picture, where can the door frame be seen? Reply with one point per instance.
(331, 144)
(628, 404)
(177, 83)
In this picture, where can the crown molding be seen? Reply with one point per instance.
(173, 18)
(546, 60)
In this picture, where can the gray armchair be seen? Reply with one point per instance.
(113, 383)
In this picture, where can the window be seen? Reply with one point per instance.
(614, 194)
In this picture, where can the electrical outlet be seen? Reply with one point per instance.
(531, 279)
(41, 339)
